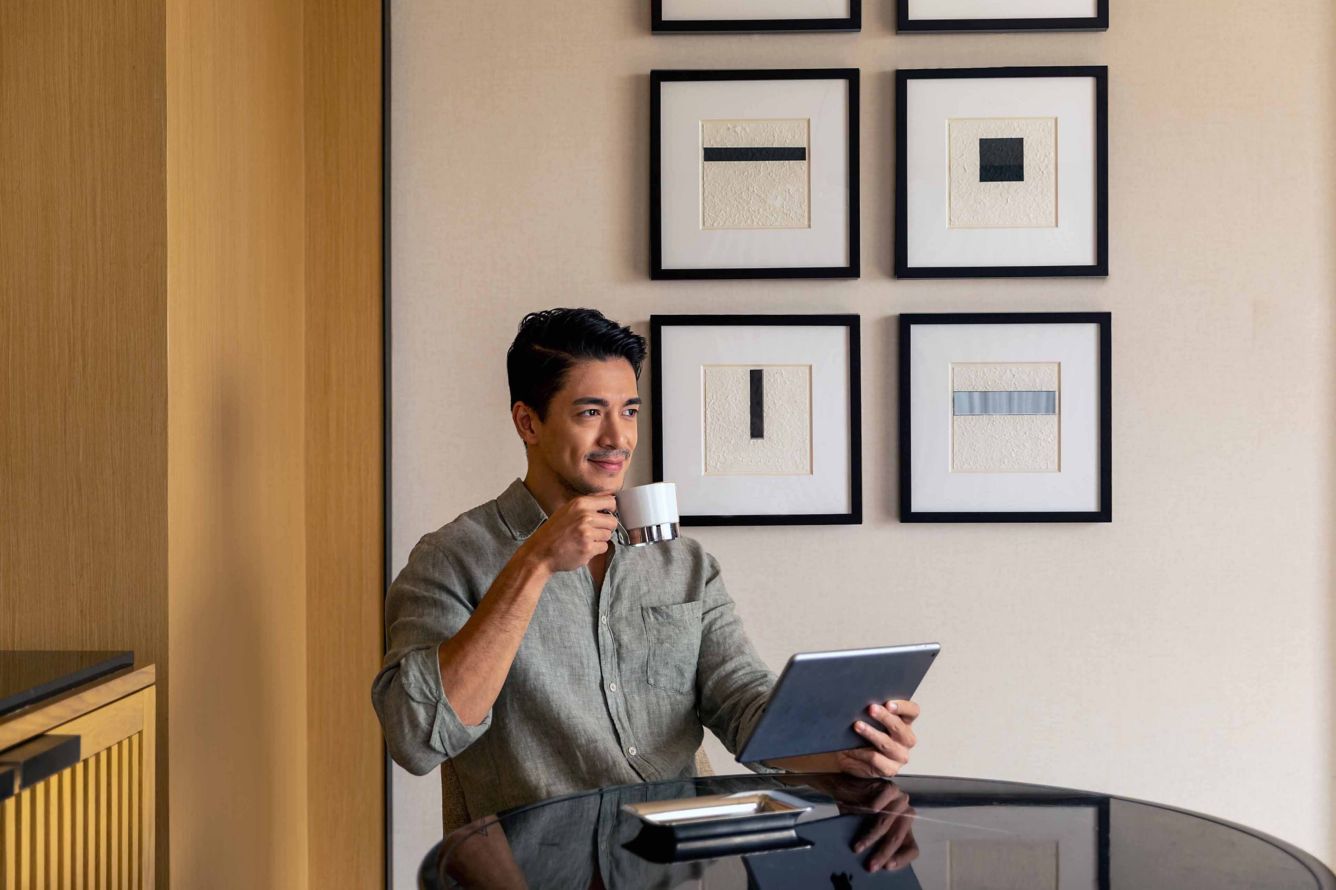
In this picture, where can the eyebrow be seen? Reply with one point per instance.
(602, 403)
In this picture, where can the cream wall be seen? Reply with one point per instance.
(1183, 653)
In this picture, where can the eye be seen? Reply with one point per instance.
(589, 412)
(632, 412)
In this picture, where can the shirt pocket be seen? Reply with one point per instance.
(672, 639)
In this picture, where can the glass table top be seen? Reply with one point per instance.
(916, 833)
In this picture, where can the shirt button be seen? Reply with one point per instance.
(631, 750)
(612, 687)
(603, 618)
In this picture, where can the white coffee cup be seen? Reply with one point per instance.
(649, 512)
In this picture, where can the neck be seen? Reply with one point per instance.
(548, 489)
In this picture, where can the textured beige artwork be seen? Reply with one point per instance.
(734, 414)
(1002, 865)
(1005, 417)
(755, 174)
(979, 198)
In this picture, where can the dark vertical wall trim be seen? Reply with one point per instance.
(387, 48)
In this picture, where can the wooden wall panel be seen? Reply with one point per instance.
(190, 375)
(344, 561)
(236, 208)
(83, 328)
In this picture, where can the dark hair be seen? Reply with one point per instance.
(549, 342)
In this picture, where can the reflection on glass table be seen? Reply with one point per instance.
(916, 832)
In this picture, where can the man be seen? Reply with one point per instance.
(530, 645)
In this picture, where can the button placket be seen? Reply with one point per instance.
(606, 654)
(601, 605)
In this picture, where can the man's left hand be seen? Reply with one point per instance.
(890, 750)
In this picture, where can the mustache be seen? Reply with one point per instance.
(610, 455)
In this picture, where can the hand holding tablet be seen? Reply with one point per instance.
(820, 697)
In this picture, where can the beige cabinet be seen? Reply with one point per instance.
(89, 824)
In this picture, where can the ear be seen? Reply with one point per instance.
(526, 422)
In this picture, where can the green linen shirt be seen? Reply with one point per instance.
(608, 687)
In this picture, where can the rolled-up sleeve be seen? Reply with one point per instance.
(733, 683)
(426, 605)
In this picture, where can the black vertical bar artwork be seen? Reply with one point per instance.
(757, 403)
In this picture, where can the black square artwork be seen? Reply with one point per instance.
(925, 103)
(1002, 160)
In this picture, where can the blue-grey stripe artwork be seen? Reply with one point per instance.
(966, 403)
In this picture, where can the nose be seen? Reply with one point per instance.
(613, 437)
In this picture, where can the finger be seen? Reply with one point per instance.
(895, 808)
(848, 765)
(888, 852)
(888, 797)
(883, 742)
(897, 727)
(597, 503)
(907, 711)
(874, 833)
(854, 763)
(874, 764)
(591, 532)
(593, 535)
(909, 851)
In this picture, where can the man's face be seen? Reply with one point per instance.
(589, 434)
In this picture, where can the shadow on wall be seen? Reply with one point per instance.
(633, 93)
(226, 768)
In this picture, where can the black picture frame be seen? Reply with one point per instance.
(849, 321)
(1105, 324)
(658, 25)
(1098, 269)
(904, 25)
(660, 77)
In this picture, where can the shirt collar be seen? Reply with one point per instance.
(520, 510)
(522, 514)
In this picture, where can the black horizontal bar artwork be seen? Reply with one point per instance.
(783, 153)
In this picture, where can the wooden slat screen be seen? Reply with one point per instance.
(89, 826)
(79, 828)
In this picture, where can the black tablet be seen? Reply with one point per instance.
(820, 694)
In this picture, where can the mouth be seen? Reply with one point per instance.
(609, 466)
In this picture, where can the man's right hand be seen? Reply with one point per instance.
(577, 532)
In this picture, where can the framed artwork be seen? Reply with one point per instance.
(734, 16)
(754, 174)
(757, 418)
(937, 16)
(1002, 172)
(1005, 417)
